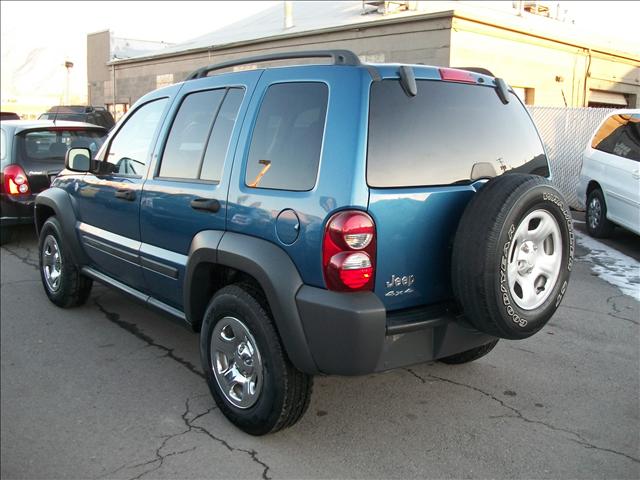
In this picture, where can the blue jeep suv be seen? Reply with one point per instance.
(316, 219)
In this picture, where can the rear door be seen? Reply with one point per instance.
(186, 191)
(427, 155)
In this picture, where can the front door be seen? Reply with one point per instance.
(108, 198)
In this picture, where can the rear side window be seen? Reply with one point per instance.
(449, 133)
(200, 134)
(287, 139)
(605, 138)
(628, 145)
(619, 135)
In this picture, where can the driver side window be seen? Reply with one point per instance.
(131, 147)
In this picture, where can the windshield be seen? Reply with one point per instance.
(450, 133)
(50, 146)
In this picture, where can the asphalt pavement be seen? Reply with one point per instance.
(113, 390)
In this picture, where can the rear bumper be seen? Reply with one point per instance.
(16, 211)
(352, 334)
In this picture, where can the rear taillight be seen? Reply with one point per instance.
(349, 252)
(15, 180)
(455, 75)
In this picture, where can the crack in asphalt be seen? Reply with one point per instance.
(611, 301)
(189, 423)
(26, 259)
(252, 453)
(518, 415)
(136, 332)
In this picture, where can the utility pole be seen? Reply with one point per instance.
(68, 65)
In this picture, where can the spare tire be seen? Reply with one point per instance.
(512, 255)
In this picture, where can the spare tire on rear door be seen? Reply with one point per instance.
(512, 255)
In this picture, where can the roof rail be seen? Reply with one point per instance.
(339, 57)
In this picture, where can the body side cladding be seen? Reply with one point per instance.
(269, 265)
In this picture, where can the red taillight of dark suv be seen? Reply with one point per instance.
(15, 181)
(349, 252)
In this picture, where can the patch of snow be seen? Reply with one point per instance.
(612, 266)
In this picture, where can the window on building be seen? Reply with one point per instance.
(287, 139)
(131, 147)
(526, 94)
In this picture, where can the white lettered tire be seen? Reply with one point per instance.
(512, 255)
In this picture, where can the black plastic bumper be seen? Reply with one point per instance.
(352, 334)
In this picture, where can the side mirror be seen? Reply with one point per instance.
(78, 159)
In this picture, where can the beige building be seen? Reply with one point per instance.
(549, 62)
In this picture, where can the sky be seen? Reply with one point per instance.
(38, 37)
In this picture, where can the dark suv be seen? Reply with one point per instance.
(80, 113)
(317, 219)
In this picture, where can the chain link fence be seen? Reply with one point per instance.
(565, 132)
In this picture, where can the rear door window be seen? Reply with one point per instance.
(450, 133)
(287, 138)
(200, 134)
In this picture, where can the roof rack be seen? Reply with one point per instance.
(339, 57)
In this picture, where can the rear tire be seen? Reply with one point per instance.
(62, 281)
(470, 355)
(598, 225)
(239, 346)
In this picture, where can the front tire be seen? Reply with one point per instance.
(62, 281)
(598, 225)
(250, 377)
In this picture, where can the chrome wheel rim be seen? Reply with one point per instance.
(236, 362)
(594, 212)
(534, 260)
(51, 263)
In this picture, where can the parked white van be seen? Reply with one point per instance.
(610, 175)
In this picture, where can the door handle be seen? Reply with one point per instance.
(636, 174)
(210, 204)
(126, 194)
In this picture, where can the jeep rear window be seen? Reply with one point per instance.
(449, 133)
